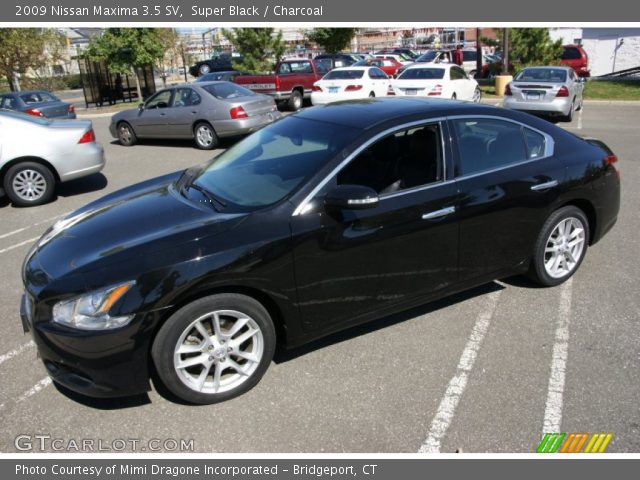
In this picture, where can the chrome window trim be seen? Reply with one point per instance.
(300, 209)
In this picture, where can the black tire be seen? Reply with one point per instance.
(171, 332)
(372, 94)
(537, 271)
(295, 101)
(126, 135)
(454, 96)
(204, 68)
(569, 117)
(205, 136)
(43, 179)
(472, 74)
(477, 94)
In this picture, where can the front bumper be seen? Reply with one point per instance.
(557, 106)
(96, 364)
(243, 126)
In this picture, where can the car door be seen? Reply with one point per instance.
(153, 119)
(350, 264)
(185, 109)
(508, 176)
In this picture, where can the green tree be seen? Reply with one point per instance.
(332, 40)
(260, 48)
(126, 49)
(532, 46)
(26, 49)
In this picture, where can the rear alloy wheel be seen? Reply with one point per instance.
(569, 116)
(205, 136)
(477, 95)
(28, 184)
(295, 101)
(215, 348)
(561, 246)
(126, 135)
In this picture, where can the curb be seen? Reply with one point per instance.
(95, 115)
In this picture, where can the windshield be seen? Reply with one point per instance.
(227, 90)
(551, 75)
(344, 75)
(422, 74)
(270, 164)
(427, 57)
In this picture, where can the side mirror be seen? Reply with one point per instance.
(352, 197)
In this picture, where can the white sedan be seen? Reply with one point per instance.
(349, 83)
(436, 81)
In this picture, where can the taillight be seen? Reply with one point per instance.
(563, 92)
(316, 88)
(238, 112)
(35, 112)
(390, 91)
(353, 88)
(507, 90)
(609, 161)
(88, 137)
(277, 83)
(435, 91)
(71, 109)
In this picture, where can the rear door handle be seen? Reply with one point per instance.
(545, 185)
(439, 213)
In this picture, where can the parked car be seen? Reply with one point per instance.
(38, 103)
(388, 65)
(228, 76)
(469, 56)
(407, 52)
(338, 60)
(220, 63)
(398, 57)
(545, 90)
(328, 218)
(574, 56)
(349, 83)
(204, 112)
(37, 153)
(291, 83)
(436, 81)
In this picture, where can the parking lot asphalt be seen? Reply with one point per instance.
(483, 371)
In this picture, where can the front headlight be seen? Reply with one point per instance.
(91, 311)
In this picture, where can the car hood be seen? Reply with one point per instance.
(143, 220)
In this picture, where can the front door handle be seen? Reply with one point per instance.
(545, 185)
(439, 213)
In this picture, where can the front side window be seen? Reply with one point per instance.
(160, 100)
(486, 143)
(406, 159)
(270, 164)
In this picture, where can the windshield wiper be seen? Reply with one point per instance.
(214, 199)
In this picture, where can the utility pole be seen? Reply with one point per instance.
(505, 51)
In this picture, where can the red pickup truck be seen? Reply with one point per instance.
(291, 83)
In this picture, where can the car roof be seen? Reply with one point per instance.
(544, 67)
(355, 67)
(443, 66)
(367, 113)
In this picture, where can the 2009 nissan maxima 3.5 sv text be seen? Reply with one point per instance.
(325, 219)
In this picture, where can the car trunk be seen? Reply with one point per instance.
(53, 109)
(254, 105)
(415, 87)
(530, 91)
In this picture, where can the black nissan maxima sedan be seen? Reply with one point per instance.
(325, 219)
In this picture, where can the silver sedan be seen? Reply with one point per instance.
(203, 111)
(36, 153)
(546, 90)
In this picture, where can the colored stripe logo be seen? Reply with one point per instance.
(574, 443)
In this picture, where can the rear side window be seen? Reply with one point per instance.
(457, 73)
(536, 143)
(485, 144)
(469, 56)
(37, 97)
(185, 97)
(301, 67)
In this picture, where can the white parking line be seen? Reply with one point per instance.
(447, 408)
(17, 351)
(26, 242)
(46, 220)
(555, 393)
(41, 385)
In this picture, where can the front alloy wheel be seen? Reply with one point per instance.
(205, 136)
(214, 348)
